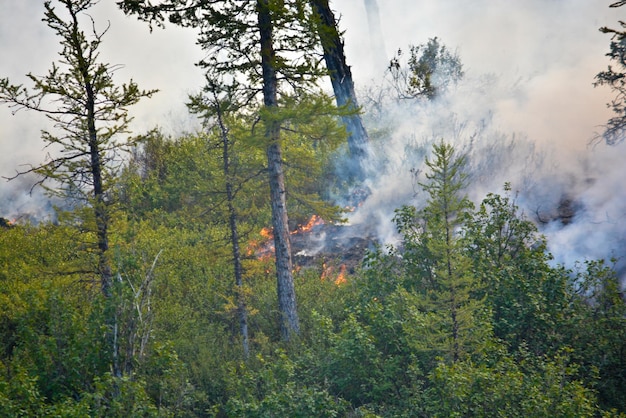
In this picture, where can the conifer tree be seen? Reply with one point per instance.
(215, 108)
(263, 49)
(438, 270)
(89, 112)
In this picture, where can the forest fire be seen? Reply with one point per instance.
(341, 278)
(265, 247)
(328, 273)
(338, 249)
(313, 222)
(266, 233)
(6, 223)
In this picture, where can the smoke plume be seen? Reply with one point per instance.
(525, 113)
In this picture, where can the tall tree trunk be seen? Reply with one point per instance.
(234, 233)
(377, 40)
(289, 322)
(100, 207)
(341, 79)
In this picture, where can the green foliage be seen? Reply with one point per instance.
(89, 113)
(19, 396)
(273, 389)
(466, 317)
(491, 268)
(598, 332)
(355, 364)
(527, 297)
(46, 324)
(184, 177)
(312, 134)
(363, 354)
(532, 339)
(507, 388)
(437, 266)
(429, 71)
(119, 397)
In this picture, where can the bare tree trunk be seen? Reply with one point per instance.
(100, 209)
(100, 206)
(289, 322)
(242, 309)
(234, 237)
(341, 79)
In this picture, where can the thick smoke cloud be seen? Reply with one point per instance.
(526, 113)
(526, 110)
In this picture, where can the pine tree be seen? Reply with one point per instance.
(438, 270)
(90, 113)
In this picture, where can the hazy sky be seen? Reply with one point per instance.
(552, 47)
(553, 43)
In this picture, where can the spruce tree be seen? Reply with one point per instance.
(89, 114)
(438, 269)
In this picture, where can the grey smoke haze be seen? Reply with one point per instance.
(528, 91)
(526, 107)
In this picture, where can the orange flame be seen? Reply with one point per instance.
(313, 222)
(341, 278)
(327, 271)
(263, 248)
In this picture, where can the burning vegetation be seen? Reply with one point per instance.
(336, 249)
(5, 223)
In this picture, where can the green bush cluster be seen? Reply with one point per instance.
(465, 317)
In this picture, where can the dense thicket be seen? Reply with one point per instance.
(466, 316)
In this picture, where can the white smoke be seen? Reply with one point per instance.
(576, 196)
(598, 229)
(21, 203)
(526, 113)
